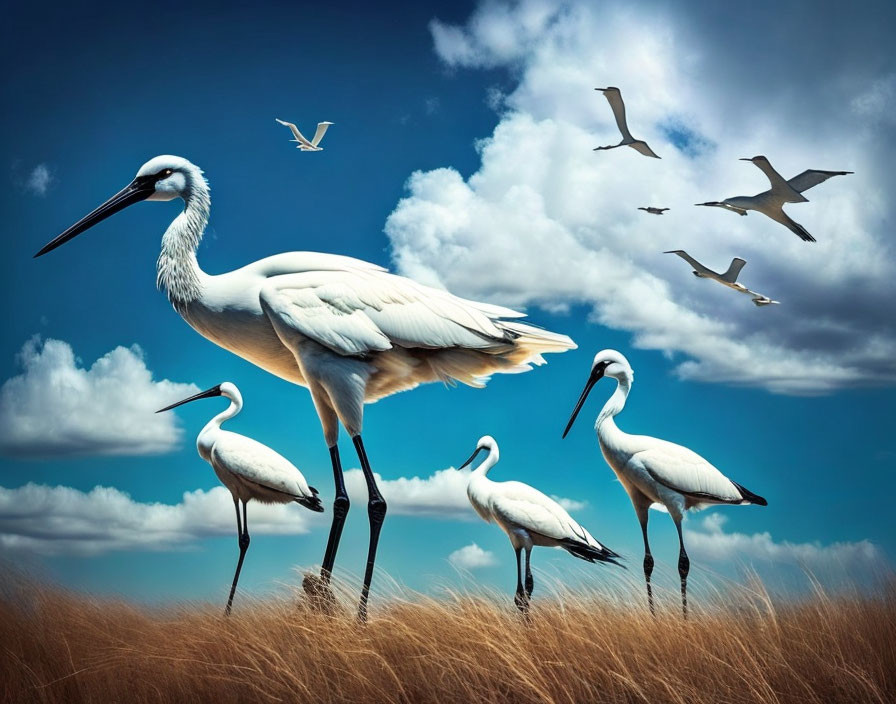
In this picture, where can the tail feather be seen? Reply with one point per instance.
(750, 497)
(590, 553)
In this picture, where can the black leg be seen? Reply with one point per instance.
(684, 566)
(530, 583)
(340, 511)
(243, 532)
(520, 599)
(648, 564)
(376, 511)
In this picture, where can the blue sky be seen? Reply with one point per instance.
(91, 95)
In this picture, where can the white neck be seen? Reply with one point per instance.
(206, 438)
(615, 403)
(178, 272)
(487, 463)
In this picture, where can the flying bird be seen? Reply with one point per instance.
(729, 278)
(614, 97)
(771, 202)
(247, 468)
(348, 330)
(653, 211)
(303, 143)
(529, 518)
(654, 471)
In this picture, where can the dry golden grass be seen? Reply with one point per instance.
(586, 647)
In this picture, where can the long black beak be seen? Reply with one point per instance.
(134, 192)
(208, 393)
(596, 375)
(471, 458)
(744, 159)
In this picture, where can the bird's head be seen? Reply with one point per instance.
(226, 389)
(486, 443)
(162, 178)
(756, 159)
(606, 363)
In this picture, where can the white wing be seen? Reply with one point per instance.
(319, 133)
(779, 185)
(686, 472)
(258, 464)
(734, 270)
(640, 146)
(519, 504)
(693, 262)
(295, 132)
(614, 98)
(354, 312)
(812, 177)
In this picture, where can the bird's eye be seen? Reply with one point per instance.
(166, 173)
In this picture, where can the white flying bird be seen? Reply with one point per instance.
(614, 97)
(653, 211)
(771, 202)
(303, 143)
(729, 278)
(529, 518)
(654, 471)
(348, 330)
(247, 468)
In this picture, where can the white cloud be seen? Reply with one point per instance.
(547, 221)
(58, 407)
(56, 520)
(471, 557)
(713, 543)
(443, 494)
(39, 180)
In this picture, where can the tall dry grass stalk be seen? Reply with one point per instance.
(583, 646)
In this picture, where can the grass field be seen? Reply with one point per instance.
(584, 647)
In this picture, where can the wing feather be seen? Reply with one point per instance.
(686, 472)
(259, 464)
(812, 177)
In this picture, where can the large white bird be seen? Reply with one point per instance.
(528, 517)
(654, 471)
(729, 278)
(303, 143)
(771, 202)
(247, 468)
(348, 330)
(614, 97)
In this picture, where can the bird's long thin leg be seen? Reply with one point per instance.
(242, 530)
(530, 582)
(376, 511)
(684, 566)
(648, 562)
(340, 511)
(520, 599)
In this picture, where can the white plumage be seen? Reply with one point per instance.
(528, 517)
(247, 468)
(614, 98)
(303, 143)
(655, 471)
(348, 330)
(729, 278)
(771, 202)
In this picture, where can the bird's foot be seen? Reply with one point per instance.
(319, 594)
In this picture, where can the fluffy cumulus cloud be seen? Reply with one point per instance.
(53, 520)
(471, 557)
(58, 407)
(547, 221)
(711, 542)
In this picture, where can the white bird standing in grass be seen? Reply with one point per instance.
(303, 143)
(614, 97)
(654, 471)
(529, 518)
(247, 468)
(729, 278)
(348, 330)
(771, 202)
